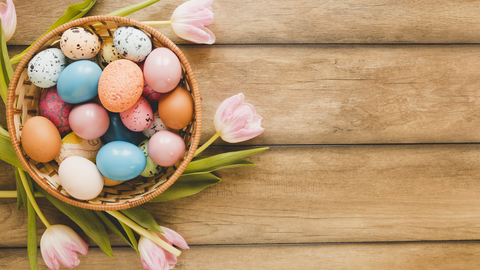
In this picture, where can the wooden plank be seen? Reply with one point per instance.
(319, 194)
(450, 255)
(284, 21)
(319, 94)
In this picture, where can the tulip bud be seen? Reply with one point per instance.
(9, 19)
(189, 20)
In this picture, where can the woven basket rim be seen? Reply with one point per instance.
(194, 88)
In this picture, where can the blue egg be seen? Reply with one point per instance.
(120, 161)
(78, 82)
(117, 131)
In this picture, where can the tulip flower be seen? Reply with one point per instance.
(9, 19)
(154, 257)
(235, 121)
(60, 243)
(189, 19)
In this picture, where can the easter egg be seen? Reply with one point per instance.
(118, 132)
(166, 148)
(155, 127)
(78, 82)
(80, 178)
(120, 161)
(110, 182)
(74, 146)
(55, 109)
(162, 70)
(120, 85)
(79, 43)
(151, 168)
(89, 121)
(132, 43)
(139, 117)
(176, 108)
(150, 95)
(44, 69)
(40, 139)
(108, 53)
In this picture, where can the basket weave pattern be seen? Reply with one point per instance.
(23, 101)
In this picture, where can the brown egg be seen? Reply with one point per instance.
(110, 183)
(176, 108)
(41, 139)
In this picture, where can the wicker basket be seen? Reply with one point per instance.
(23, 101)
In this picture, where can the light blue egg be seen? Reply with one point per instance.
(78, 82)
(120, 161)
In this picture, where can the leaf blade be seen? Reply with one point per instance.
(130, 235)
(142, 217)
(131, 9)
(32, 237)
(113, 228)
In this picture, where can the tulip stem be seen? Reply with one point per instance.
(207, 144)
(32, 199)
(13, 194)
(157, 22)
(142, 231)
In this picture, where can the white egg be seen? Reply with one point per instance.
(80, 178)
(155, 127)
(132, 43)
(45, 67)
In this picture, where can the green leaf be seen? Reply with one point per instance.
(142, 217)
(234, 164)
(86, 219)
(21, 194)
(72, 12)
(187, 185)
(32, 236)
(7, 153)
(5, 66)
(109, 224)
(224, 159)
(131, 236)
(130, 9)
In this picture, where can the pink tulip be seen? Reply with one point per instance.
(189, 20)
(236, 121)
(9, 19)
(156, 258)
(59, 243)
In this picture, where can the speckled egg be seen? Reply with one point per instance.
(79, 43)
(120, 85)
(151, 168)
(155, 127)
(54, 108)
(108, 53)
(139, 117)
(45, 68)
(132, 43)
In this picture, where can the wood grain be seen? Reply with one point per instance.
(450, 255)
(284, 21)
(355, 94)
(320, 194)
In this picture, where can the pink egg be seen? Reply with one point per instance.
(89, 121)
(55, 109)
(162, 70)
(166, 148)
(139, 117)
(150, 95)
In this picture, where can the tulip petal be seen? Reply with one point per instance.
(242, 135)
(175, 238)
(201, 35)
(189, 19)
(225, 111)
(151, 255)
(9, 18)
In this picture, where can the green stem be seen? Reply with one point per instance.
(142, 231)
(157, 22)
(32, 199)
(207, 144)
(13, 194)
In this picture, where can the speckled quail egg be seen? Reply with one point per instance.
(155, 127)
(45, 67)
(79, 43)
(108, 53)
(132, 43)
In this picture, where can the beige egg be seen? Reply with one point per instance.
(79, 43)
(108, 53)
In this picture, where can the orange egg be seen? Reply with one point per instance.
(120, 85)
(175, 108)
(41, 139)
(110, 183)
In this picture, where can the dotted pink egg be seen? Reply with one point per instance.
(120, 85)
(55, 109)
(139, 117)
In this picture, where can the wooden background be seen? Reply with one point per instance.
(371, 111)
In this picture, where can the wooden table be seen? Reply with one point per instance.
(372, 115)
